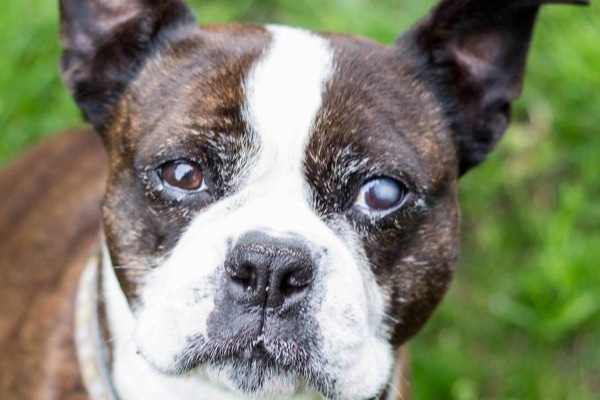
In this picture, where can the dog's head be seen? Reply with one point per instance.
(281, 208)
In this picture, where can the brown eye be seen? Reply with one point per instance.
(183, 175)
(380, 195)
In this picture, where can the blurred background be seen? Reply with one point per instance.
(522, 320)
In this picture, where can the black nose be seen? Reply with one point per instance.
(269, 272)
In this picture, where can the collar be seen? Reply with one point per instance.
(89, 341)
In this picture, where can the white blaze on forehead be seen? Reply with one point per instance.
(283, 95)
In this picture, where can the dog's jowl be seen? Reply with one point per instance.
(279, 207)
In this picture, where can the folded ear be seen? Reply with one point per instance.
(474, 52)
(106, 41)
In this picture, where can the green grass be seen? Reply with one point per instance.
(522, 320)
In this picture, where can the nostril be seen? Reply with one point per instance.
(244, 275)
(295, 282)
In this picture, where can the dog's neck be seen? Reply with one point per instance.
(110, 365)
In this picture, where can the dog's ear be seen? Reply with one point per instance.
(474, 52)
(106, 41)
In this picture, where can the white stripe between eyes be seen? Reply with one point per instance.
(283, 95)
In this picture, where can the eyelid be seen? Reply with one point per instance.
(164, 168)
(404, 193)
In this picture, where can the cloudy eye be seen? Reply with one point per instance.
(381, 195)
(182, 174)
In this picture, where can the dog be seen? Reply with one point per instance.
(262, 212)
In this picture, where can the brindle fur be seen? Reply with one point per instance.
(429, 108)
(49, 222)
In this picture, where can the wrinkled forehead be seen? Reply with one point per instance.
(278, 70)
(288, 89)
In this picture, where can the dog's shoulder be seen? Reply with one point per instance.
(49, 220)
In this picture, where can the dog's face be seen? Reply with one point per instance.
(275, 222)
(281, 209)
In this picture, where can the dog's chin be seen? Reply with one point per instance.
(258, 374)
(256, 369)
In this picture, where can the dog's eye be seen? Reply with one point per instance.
(380, 195)
(182, 174)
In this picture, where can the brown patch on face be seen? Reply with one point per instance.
(378, 119)
(185, 104)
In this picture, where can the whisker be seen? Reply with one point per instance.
(392, 388)
(390, 318)
(133, 268)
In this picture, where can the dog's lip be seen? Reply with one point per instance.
(271, 357)
(256, 352)
(264, 351)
